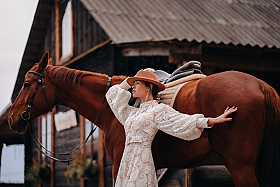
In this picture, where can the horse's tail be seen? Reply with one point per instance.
(268, 163)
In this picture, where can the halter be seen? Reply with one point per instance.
(26, 116)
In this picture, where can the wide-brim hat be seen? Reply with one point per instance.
(146, 76)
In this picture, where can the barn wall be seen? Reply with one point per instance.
(65, 141)
(130, 65)
(259, 62)
(49, 40)
(87, 34)
(99, 61)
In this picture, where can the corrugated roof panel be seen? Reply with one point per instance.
(218, 16)
(148, 30)
(250, 35)
(130, 32)
(229, 13)
(236, 36)
(128, 7)
(190, 13)
(140, 27)
(256, 2)
(205, 32)
(157, 9)
(270, 16)
(244, 22)
(253, 19)
(110, 7)
(169, 9)
(275, 35)
(211, 14)
(180, 10)
(222, 34)
(188, 30)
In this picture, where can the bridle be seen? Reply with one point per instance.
(26, 116)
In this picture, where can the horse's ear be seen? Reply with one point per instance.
(43, 63)
(50, 61)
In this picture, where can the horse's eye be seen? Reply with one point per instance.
(26, 85)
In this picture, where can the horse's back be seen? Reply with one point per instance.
(214, 93)
(211, 95)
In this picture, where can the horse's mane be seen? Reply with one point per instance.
(65, 77)
(69, 78)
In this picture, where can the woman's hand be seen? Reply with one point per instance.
(222, 118)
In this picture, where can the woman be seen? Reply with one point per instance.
(141, 125)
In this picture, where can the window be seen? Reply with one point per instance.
(88, 127)
(92, 144)
(12, 168)
(46, 132)
(65, 23)
(66, 29)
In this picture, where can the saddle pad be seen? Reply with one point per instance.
(168, 95)
(185, 79)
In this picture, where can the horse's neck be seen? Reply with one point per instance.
(88, 98)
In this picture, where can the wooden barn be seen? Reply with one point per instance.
(122, 36)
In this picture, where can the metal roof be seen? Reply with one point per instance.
(237, 22)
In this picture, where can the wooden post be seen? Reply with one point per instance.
(57, 36)
(188, 177)
(91, 143)
(82, 138)
(101, 159)
(52, 146)
(40, 140)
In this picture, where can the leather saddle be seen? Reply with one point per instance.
(192, 67)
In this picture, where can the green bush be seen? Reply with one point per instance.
(81, 168)
(38, 171)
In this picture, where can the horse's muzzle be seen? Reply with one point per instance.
(18, 126)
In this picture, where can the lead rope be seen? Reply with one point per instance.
(35, 139)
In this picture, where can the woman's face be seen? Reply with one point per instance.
(139, 89)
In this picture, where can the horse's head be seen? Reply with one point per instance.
(32, 90)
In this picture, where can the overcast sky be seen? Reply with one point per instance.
(16, 17)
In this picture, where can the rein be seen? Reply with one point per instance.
(26, 116)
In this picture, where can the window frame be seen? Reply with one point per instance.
(59, 45)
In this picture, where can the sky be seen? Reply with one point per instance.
(16, 17)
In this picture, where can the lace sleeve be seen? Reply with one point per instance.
(184, 126)
(118, 97)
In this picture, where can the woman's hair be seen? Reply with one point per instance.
(154, 89)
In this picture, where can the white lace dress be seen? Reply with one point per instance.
(141, 124)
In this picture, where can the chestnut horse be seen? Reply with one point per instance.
(248, 146)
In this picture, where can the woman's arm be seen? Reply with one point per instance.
(184, 126)
(222, 118)
(118, 97)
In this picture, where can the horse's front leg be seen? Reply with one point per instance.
(115, 172)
